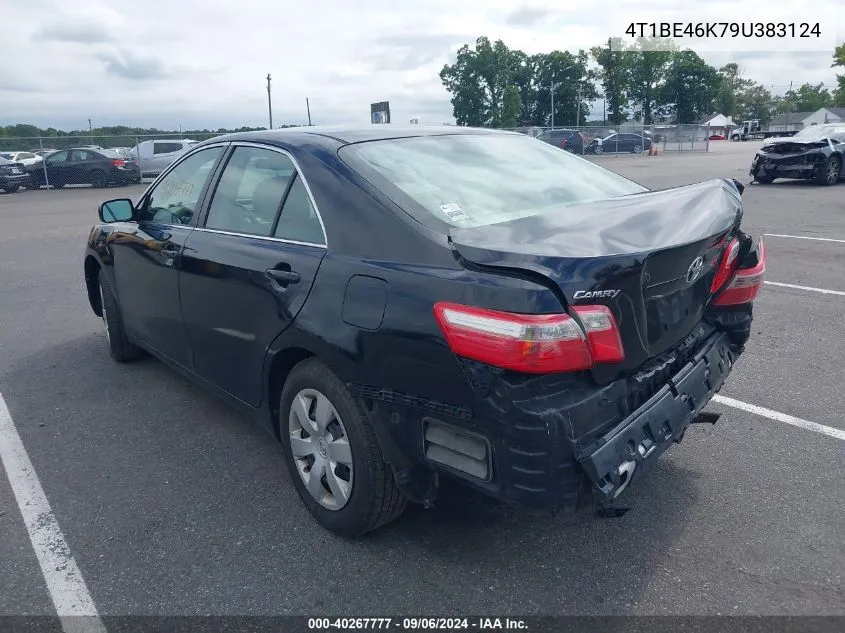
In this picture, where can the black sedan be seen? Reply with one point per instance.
(13, 175)
(620, 142)
(815, 153)
(85, 166)
(570, 140)
(398, 305)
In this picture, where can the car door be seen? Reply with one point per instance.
(147, 254)
(249, 267)
(164, 153)
(55, 167)
(78, 165)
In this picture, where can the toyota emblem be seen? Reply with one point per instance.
(695, 269)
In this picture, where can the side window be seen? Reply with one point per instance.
(57, 157)
(250, 191)
(81, 155)
(299, 220)
(166, 148)
(174, 199)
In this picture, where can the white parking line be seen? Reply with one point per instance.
(781, 417)
(64, 581)
(804, 237)
(823, 291)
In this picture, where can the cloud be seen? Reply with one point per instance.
(528, 16)
(129, 66)
(76, 31)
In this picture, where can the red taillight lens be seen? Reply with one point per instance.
(602, 333)
(118, 162)
(746, 284)
(563, 142)
(530, 343)
(726, 266)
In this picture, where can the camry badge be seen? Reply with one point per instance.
(695, 269)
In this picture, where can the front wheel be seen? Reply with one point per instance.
(598, 149)
(765, 180)
(12, 188)
(120, 348)
(830, 172)
(333, 455)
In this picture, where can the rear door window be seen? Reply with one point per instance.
(479, 179)
(250, 192)
(166, 148)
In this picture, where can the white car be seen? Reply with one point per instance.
(27, 159)
(156, 155)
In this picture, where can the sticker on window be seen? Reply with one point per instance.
(455, 213)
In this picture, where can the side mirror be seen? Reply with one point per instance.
(120, 210)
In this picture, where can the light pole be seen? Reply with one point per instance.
(552, 93)
(269, 101)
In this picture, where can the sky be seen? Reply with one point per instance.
(203, 63)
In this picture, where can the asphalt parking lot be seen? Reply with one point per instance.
(172, 503)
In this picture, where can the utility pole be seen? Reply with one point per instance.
(90, 127)
(308, 107)
(552, 93)
(269, 101)
(578, 115)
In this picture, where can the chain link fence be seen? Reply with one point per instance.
(627, 138)
(99, 161)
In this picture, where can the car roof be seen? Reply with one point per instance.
(342, 135)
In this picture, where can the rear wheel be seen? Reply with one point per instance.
(99, 179)
(120, 348)
(333, 455)
(12, 188)
(830, 172)
(637, 149)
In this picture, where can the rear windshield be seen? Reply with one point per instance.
(471, 180)
(110, 153)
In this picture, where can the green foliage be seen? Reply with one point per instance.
(808, 98)
(614, 72)
(650, 61)
(839, 60)
(691, 85)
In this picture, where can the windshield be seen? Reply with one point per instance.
(471, 180)
(819, 132)
(6, 155)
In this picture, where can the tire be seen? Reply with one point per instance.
(598, 149)
(638, 149)
(831, 172)
(765, 180)
(120, 349)
(12, 188)
(98, 179)
(372, 497)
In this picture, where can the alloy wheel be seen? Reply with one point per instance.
(103, 310)
(833, 171)
(320, 448)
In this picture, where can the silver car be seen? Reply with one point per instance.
(155, 156)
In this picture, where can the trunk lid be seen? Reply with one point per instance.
(650, 258)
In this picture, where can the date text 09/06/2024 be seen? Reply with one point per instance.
(681, 30)
(417, 624)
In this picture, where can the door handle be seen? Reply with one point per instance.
(284, 277)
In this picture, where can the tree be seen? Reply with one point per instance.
(614, 73)
(511, 105)
(572, 80)
(731, 86)
(809, 98)
(755, 102)
(478, 81)
(691, 86)
(649, 62)
(839, 60)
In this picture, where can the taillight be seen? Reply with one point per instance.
(602, 333)
(563, 142)
(726, 266)
(746, 284)
(530, 343)
(118, 162)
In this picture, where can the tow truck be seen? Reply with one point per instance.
(751, 130)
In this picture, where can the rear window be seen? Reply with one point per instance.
(108, 153)
(471, 180)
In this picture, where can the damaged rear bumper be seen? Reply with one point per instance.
(625, 451)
